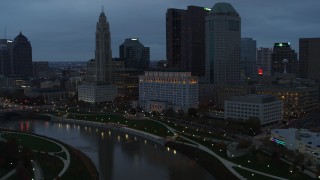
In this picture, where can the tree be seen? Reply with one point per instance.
(252, 125)
(169, 112)
(192, 112)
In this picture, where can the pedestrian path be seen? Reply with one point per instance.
(228, 164)
(36, 166)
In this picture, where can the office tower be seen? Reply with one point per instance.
(22, 56)
(134, 54)
(174, 37)
(284, 59)
(98, 86)
(6, 59)
(248, 57)
(186, 39)
(103, 57)
(264, 61)
(309, 58)
(193, 40)
(40, 69)
(223, 31)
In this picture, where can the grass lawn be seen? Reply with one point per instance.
(258, 160)
(77, 169)
(51, 166)
(148, 126)
(33, 142)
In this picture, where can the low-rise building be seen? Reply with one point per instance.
(95, 92)
(297, 101)
(303, 141)
(161, 90)
(49, 95)
(265, 107)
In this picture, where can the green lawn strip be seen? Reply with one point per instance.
(50, 165)
(248, 174)
(183, 129)
(207, 161)
(33, 142)
(258, 161)
(148, 126)
(77, 168)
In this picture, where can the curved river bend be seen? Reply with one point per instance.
(118, 156)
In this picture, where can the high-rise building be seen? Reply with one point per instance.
(100, 69)
(309, 58)
(22, 56)
(98, 86)
(223, 32)
(248, 57)
(134, 54)
(6, 59)
(264, 61)
(174, 18)
(186, 39)
(193, 40)
(284, 59)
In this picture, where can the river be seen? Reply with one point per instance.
(118, 156)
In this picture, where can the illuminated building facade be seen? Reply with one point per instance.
(96, 92)
(127, 81)
(265, 107)
(303, 141)
(223, 32)
(297, 101)
(161, 90)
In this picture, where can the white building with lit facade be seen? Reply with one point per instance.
(162, 90)
(303, 141)
(265, 107)
(95, 92)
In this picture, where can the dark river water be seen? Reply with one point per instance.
(118, 156)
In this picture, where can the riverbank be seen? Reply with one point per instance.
(50, 158)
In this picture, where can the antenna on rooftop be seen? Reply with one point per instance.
(102, 8)
(5, 31)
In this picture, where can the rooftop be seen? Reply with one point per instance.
(223, 8)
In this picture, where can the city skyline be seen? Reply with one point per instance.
(267, 22)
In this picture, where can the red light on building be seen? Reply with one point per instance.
(260, 72)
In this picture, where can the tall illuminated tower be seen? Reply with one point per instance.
(223, 32)
(103, 56)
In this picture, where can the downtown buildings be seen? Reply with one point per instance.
(284, 59)
(16, 57)
(134, 54)
(309, 58)
(162, 90)
(248, 57)
(185, 39)
(223, 32)
(99, 81)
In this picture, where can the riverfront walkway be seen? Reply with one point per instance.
(229, 165)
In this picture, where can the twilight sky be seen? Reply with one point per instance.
(64, 30)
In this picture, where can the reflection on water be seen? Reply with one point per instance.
(116, 155)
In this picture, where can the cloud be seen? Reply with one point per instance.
(62, 30)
